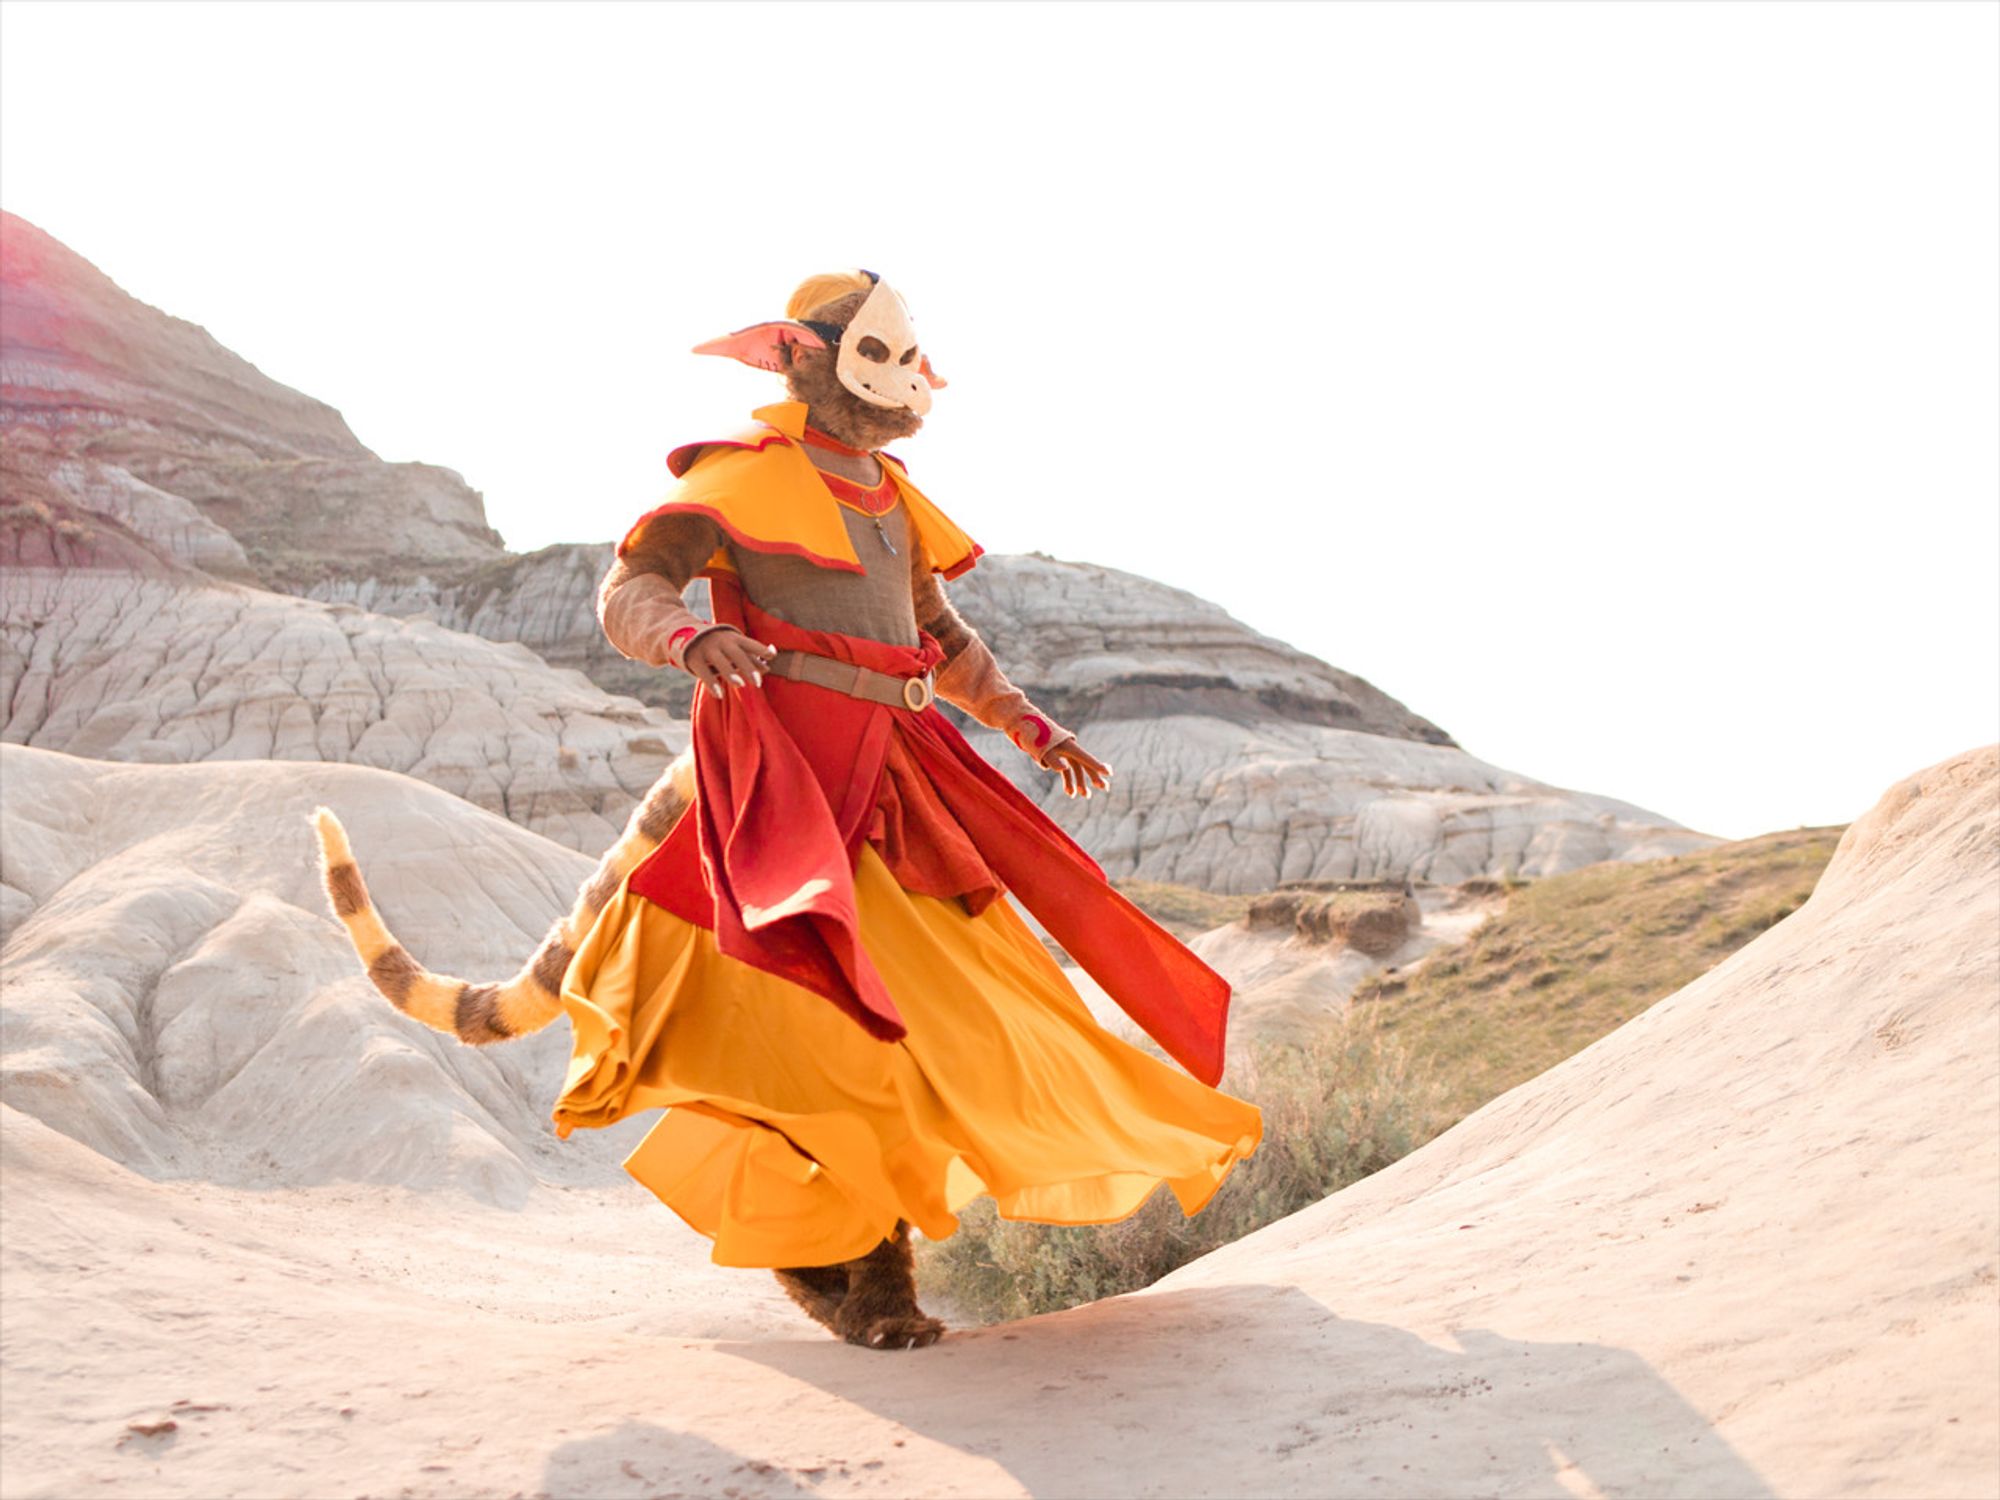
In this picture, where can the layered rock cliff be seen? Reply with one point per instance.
(145, 405)
(110, 648)
(133, 440)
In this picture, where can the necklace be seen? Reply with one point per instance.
(873, 503)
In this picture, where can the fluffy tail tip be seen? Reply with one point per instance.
(332, 837)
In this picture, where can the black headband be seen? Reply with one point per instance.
(831, 332)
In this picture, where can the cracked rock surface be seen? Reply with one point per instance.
(180, 998)
(1244, 807)
(1095, 645)
(1241, 761)
(161, 669)
(546, 600)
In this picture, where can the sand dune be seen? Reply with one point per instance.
(1746, 1245)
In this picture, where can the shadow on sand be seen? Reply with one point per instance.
(1254, 1390)
(640, 1461)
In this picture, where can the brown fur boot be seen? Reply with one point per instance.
(871, 1301)
(819, 1290)
(880, 1310)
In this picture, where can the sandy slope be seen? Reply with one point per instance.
(1746, 1245)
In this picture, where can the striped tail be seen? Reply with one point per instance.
(482, 1013)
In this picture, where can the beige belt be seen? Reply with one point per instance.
(913, 693)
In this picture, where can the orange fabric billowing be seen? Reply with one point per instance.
(844, 851)
(794, 1138)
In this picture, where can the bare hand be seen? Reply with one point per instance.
(724, 657)
(1080, 769)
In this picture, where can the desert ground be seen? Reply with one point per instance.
(1745, 1245)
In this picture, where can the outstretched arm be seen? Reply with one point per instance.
(972, 679)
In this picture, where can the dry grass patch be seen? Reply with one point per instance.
(1182, 909)
(1575, 956)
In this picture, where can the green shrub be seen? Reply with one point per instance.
(1335, 1110)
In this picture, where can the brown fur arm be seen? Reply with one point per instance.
(639, 602)
(972, 679)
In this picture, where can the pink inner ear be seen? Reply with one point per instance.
(936, 380)
(760, 343)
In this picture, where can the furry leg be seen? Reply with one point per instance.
(818, 1290)
(880, 1310)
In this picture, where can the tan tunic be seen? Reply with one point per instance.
(874, 604)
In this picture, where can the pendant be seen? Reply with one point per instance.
(885, 536)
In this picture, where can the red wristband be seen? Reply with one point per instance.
(677, 644)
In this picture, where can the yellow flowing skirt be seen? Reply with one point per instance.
(793, 1138)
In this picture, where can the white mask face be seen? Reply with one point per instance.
(879, 360)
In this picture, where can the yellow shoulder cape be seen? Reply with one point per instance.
(763, 491)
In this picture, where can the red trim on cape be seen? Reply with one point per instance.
(964, 564)
(741, 538)
(681, 459)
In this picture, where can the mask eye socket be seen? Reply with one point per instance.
(872, 348)
(909, 356)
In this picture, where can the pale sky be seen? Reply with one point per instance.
(1618, 385)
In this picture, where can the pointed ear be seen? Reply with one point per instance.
(937, 381)
(762, 344)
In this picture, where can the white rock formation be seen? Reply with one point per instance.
(1241, 761)
(107, 664)
(1747, 1245)
(1094, 645)
(546, 600)
(1236, 807)
(180, 1000)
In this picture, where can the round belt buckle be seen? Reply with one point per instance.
(917, 693)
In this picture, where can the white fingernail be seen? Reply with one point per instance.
(736, 678)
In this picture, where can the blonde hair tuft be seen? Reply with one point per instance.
(816, 291)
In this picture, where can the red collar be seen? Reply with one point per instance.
(820, 440)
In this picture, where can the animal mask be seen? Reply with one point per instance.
(876, 357)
